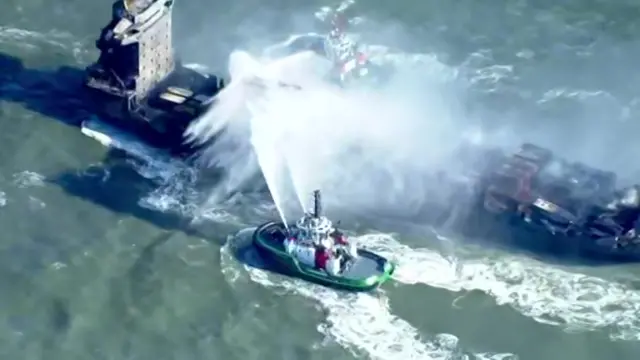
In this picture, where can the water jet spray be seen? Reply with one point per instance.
(369, 149)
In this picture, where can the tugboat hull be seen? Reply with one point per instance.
(366, 273)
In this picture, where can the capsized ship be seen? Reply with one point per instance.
(566, 207)
(140, 87)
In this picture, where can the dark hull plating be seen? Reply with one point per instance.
(513, 232)
(157, 122)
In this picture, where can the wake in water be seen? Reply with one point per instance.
(362, 323)
(545, 293)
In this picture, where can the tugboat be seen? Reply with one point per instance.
(314, 250)
(350, 65)
(140, 88)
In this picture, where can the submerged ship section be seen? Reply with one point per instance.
(565, 207)
(139, 84)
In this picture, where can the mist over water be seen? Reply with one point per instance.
(364, 147)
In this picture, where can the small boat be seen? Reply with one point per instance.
(298, 250)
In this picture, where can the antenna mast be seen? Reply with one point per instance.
(317, 204)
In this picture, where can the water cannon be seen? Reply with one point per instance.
(317, 204)
(336, 16)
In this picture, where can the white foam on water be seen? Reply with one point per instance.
(363, 323)
(175, 179)
(26, 179)
(541, 291)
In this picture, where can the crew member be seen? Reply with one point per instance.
(338, 237)
(321, 242)
(322, 257)
(343, 245)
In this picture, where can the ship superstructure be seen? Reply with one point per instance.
(139, 82)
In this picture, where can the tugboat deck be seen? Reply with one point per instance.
(363, 267)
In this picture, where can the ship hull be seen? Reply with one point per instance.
(511, 231)
(160, 120)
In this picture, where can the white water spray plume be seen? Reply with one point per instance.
(364, 148)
